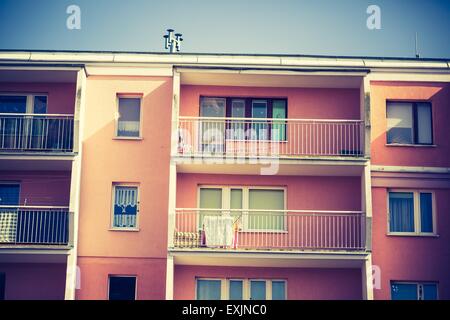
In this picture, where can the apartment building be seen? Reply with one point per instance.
(201, 176)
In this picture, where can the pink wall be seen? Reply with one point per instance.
(302, 283)
(439, 95)
(150, 273)
(34, 281)
(107, 160)
(303, 192)
(41, 188)
(411, 258)
(61, 96)
(303, 103)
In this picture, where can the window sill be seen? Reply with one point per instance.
(410, 145)
(412, 234)
(128, 138)
(125, 229)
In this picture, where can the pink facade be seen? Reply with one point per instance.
(34, 281)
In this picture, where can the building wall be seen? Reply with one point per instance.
(61, 96)
(411, 258)
(303, 103)
(302, 283)
(34, 281)
(107, 160)
(94, 271)
(303, 192)
(41, 188)
(439, 95)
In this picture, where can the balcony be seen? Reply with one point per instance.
(283, 138)
(36, 133)
(268, 230)
(35, 226)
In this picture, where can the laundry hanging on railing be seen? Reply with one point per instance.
(218, 231)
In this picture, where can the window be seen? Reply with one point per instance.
(236, 288)
(125, 206)
(23, 103)
(240, 289)
(9, 193)
(257, 290)
(409, 123)
(245, 203)
(250, 108)
(414, 291)
(129, 120)
(411, 212)
(122, 288)
(209, 289)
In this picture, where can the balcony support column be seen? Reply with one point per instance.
(169, 277)
(72, 273)
(367, 278)
(365, 115)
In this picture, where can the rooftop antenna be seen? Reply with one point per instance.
(172, 41)
(416, 44)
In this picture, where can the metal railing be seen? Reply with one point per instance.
(271, 137)
(38, 225)
(269, 229)
(36, 132)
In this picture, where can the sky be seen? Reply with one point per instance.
(309, 27)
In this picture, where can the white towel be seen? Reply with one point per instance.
(218, 231)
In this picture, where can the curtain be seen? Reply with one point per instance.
(401, 212)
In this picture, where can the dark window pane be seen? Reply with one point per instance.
(424, 135)
(401, 212)
(236, 288)
(13, 104)
(403, 291)
(9, 194)
(257, 290)
(430, 291)
(278, 290)
(426, 212)
(208, 289)
(122, 288)
(40, 104)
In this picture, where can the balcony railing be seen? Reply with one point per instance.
(36, 132)
(269, 229)
(199, 136)
(26, 225)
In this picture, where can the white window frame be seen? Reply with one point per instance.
(225, 286)
(113, 196)
(417, 221)
(123, 276)
(117, 115)
(418, 285)
(29, 101)
(226, 200)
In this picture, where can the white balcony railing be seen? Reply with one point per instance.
(269, 137)
(34, 225)
(269, 229)
(36, 132)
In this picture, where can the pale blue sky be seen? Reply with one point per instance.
(322, 27)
